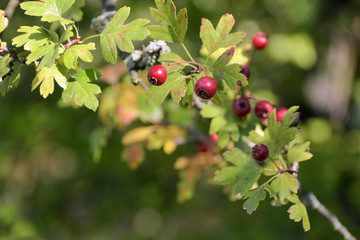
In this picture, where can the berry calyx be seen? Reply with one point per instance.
(263, 109)
(203, 147)
(206, 87)
(280, 113)
(246, 71)
(260, 152)
(214, 137)
(157, 75)
(241, 107)
(260, 40)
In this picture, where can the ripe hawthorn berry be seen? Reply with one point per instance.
(206, 87)
(157, 75)
(260, 40)
(241, 107)
(245, 70)
(214, 137)
(260, 152)
(263, 109)
(203, 147)
(280, 113)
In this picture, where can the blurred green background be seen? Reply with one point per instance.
(50, 188)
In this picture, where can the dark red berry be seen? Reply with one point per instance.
(260, 40)
(157, 75)
(260, 152)
(203, 147)
(246, 71)
(280, 113)
(214, 137)
(263, 109)
(206, 87)
(241, 107)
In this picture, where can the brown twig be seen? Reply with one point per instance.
(10, 8)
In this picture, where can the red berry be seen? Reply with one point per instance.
(260, 40)
(280, 113)
(214, 137)
(241, 107)
(246, 71)
(263, 109)
(206, 87)
(203, 147)
(260, 152)
(157, 75)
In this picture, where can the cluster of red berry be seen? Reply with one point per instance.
(205, 87)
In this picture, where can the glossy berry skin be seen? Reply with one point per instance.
(241, 107)
(157, 75)
(263, 109)
(260, 152)
(214, 137)
(280, 113)
(260, 40)
(206, 87)
(246, 71)
(203, 147)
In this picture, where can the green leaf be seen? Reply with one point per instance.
(280, 132)
(157, 94)
(4, 65)
(253, 199)
(48, 10)
(284, 184)
(170, 57)
(75, 13)
(228, 73)
(11, 80)
(116, 34)
(217, 123)
(174, 25)
(211, 111)
(298, 212)
(220, 37)
(298, 153)
(48, 53)
(82, 91)
(223, 139)
(68, 33)
(245, 173)
(179, 90)
(34, 37)
(81, 51)
(3, 21)
(46, 77)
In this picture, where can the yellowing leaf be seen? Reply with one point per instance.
(133, 155)
(137, 135)
(46, 77)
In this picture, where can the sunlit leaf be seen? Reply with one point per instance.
(3, 21)
(284, 185)
(117, 35)
(46, 77)
(253, 199)
(34, 37)
(298, 153)
(48, 10)
(81, 51)
(298, 212)
(82, 91)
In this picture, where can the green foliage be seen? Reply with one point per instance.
(174, 26)
(229, 73)
(116, 34)
(253, 198)
(245, 173)
(297, 212)
(75, 52)
(81, 91)
(48, 10)
(46, 77)
(220, 37)
(284, 185)
(4, 65)
(298, 153)
(34, 37)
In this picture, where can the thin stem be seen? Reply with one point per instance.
(275, 164)
(76, 30)
(90, 37)
(187, 52)
(309, 199)
(10, 8)
(183, 62)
